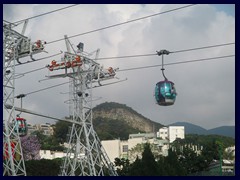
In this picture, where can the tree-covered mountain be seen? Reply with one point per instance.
(190, 128)
(228, 131)
(113, 120)
(223, 130)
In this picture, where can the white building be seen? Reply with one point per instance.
(47, 129)
(163, 133)
(31, 128)
(125, 149)
(175, 132)
(171, 133)
(47, 154)
(112, 148)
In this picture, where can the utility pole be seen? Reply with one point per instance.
(220, 151)
(220, 159)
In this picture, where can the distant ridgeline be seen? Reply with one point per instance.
(112, 120)
(228, 131)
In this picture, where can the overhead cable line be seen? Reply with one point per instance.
(153, 54)
(139, 55)
(45, 13)
(44, 89)
(143, 67)
(7, 21)
(193, 49)
(38, 69)
(119, 24)
(180, 62)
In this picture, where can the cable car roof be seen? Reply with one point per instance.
(21, 119)
(165, 81)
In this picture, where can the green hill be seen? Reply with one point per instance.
(113, 120)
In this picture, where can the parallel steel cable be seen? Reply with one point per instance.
(126, 22)
(44, 13)
(134, 56)
(153, 54)
(143, 67)
(38, 69)
(180, 62)
(141, 55)
(193, 49)
(45, 88)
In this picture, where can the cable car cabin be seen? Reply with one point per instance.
(21, 126)
(165, 93)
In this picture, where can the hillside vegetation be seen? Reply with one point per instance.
(113, 120)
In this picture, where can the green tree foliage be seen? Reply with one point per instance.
(135, 152)
(182, 160)
(61, 131)
(205, 140)
(108, 106)
(43, 167)
(228, 154)
(171, 165)
(136, 168)
(48, 142)
(146, 166)
(123, 166)
(149, 165)
(108, 129)
(191, 161)
(213, 146)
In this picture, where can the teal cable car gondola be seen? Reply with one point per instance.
(165, 92)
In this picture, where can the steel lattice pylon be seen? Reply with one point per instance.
(15, 46)
(85, 155)
(13, 163)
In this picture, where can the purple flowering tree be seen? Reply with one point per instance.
(30, 147)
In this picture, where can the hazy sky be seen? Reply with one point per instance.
(206, 90)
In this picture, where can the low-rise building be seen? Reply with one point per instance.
(31, 128)
(47, 154)
(133, 147)
(171, 133)
(47, 129)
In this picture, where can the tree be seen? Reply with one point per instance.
(30, 147)
(147, 166)
(48, 142)
(123, 166)
(191, 161)
(135, 152)
(43, 167)
(210, 152)
(228, 154)
(61, 131)
(136, 168)
(172, 165)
